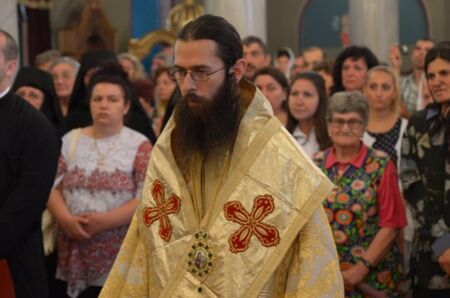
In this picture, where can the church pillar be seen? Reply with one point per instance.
(374, 24)
(247, 16)
(8, 18)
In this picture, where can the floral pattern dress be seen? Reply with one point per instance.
(425, 176)
(352, 211)
(89, 186)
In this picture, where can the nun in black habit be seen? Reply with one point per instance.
(43, 81)
(79, 114)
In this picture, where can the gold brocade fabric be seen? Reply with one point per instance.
(267, 167)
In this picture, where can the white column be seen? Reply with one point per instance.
(374, 24)
(247, 16)
(8, 18)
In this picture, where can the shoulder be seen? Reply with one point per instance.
(133, 137)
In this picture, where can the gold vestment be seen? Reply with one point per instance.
(264, 233)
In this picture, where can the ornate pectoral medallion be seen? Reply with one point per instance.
(200, 257)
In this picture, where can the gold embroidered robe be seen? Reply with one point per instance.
(266, 231)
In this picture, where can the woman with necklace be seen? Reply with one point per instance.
(365, 210)
(100, 174)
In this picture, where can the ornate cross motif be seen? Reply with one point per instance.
(162, 210)
(251, 223)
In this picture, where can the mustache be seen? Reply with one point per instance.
(345, 134)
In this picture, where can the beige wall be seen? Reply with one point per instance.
(117, 11)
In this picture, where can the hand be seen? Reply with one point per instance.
(355, 274)
(95, 222)
(73, 227)
(395, 57)
(444, 261)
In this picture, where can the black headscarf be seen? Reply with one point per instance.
(79, 114)
(36, 78)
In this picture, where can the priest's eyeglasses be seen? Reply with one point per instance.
(352, 123)
(179, 74)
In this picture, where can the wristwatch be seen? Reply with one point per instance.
(367, 263)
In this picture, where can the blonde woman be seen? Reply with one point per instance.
(385, 128)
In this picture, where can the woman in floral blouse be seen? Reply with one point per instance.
(425, 175)
(100, 174)
(365, 209)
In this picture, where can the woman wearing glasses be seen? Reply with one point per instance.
(365, 209)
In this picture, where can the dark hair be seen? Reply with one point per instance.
(113, 73)
(229, 45)
(279, 77)
(283, 53)
(326, 66)
(255, 39)
(320, 124)
(355, 53)
(158, 73)
(10, 50)
(441, 50)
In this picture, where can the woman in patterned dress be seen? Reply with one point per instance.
(425, 175)
(100, 173)
(365, 210)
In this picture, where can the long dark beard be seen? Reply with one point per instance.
(214, 124)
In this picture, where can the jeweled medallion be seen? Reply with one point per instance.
(200, 257)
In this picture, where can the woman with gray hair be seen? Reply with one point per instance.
(64, 72)
(365, 209)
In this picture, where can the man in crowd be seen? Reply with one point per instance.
(231, 206)
(312, 56)
(29, 151)
(256, 54)
(409, 83)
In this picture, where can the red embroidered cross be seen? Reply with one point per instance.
(162, 210)
(251, 223)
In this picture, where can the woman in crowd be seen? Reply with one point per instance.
(142, 86)
(274, 85)
(307, 106)
(64, 71)
(36, 87)
(365, 210)
(425, 175)
(79, 115)
(100, 173)
(385, 127)
(350, 68)
(284, 60)
(164, 88)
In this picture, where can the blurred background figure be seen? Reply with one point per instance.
(45, 60)
(365, 210)
(307, 106)
(350, 68)
(64, 71)
(312, 56)
(424, 97)
(325, 70)
(284, 60)
(100, 173)
(256, 54)
(164, 88)
(298, 67)
(274, 85)
(36, 87)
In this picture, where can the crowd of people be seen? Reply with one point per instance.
(380, 136)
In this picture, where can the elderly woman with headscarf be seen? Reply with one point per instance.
(365, 210)
(36, 87)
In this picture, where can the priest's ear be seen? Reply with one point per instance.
(238, 69)
(11, 67)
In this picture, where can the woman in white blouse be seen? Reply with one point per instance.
(100, 174)
(307, 103)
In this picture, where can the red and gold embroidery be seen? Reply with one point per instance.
(251, 224)
(162, 210)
